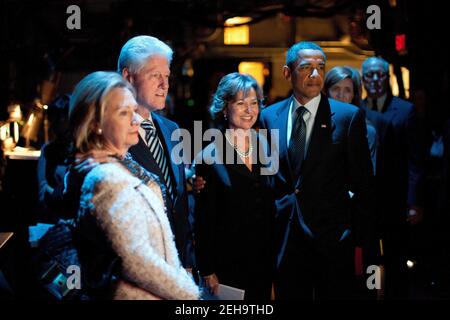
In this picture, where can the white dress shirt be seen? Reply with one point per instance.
(142, 130)
(309, 116)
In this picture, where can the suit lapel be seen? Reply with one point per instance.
(144, 157)
(320, 137)
(238, 166)
(219, 165)
(387, 103)
(164, 136)
(281, 123)
(390, 109)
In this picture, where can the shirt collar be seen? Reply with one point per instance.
(140, 118)
(380, 102)
(312, 105)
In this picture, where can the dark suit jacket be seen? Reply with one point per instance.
(337, 160)
(387, 182)
(177, 210)
(408, 148)
(233, 225)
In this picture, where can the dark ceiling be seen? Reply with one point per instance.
(35, 39)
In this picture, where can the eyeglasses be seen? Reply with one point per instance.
(372, 74)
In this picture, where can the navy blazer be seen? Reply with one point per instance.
(386, 176)
(177, 210)
(409, 149)
(337, 160)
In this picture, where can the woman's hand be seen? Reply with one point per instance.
(211, 282)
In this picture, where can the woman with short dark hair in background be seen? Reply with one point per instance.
(344, 84)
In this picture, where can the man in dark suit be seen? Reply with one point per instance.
(324, 154)
(406, 177)
(145, 62)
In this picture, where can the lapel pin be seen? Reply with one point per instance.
(323, 125)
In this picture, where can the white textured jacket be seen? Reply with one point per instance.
(133, 218)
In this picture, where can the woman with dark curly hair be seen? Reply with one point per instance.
(235, 209)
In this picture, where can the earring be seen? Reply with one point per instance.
(225, 116)
(99, 131)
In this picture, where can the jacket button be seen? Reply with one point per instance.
(297, 191)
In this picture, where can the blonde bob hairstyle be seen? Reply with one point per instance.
(87, 107)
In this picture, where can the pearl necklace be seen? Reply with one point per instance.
(245, 154)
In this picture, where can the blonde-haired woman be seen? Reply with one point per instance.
(122, 210)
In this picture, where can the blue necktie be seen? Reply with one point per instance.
(156, 149)
(296, 149)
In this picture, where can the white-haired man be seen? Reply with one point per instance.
(145, 62)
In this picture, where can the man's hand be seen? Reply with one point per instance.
(100, 156)
(415, 215)
(84, 162)
(198, 184)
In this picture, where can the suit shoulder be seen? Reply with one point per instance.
(163, 120)
(274, 107)
(342, 108)
(402, 104)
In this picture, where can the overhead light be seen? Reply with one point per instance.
(255, 69)
(236, 32)
(236, 21)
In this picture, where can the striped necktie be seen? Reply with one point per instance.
(156, 149)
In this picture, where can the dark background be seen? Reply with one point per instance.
(36, 46)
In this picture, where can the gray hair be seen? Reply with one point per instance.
(227, 90)
(138, 50)
(337, 74)
(292, 54)
(369, 60)
(87, 107)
